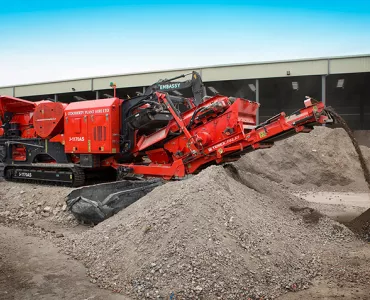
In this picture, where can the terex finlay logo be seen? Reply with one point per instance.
(169, 86)
(224, 143)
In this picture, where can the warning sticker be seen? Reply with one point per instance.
(262, 134)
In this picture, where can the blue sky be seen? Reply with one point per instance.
(54, 40)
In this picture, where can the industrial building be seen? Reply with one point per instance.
(340, 82)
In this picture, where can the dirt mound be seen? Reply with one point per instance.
(361, 224)
(363, 137)
(322, 159)
(28, 203)
(223, 234)
(366, 153)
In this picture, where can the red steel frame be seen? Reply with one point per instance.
(215, 139)
(215, 131)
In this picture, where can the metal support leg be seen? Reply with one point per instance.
(55, 98)
(323, 89)
(258, 100)
(96, 95)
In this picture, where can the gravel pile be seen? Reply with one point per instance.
(363, 137)
(366, 153)
(230, 232)
(362, 223)
(223, 234)
(28, 203)
(322, 159)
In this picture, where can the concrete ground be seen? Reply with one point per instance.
(32, 268)
(340, 206)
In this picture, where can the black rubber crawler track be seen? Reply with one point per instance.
(78, 175)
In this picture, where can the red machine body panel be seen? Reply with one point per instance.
(92, 126)
(22, 115)
(48, 118)
(16, 105)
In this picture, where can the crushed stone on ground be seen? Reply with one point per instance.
(322, 159)
(366, 153)
(29, 203)
(218, 235)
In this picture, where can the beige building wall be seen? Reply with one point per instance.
(53, 88)
(323, 66)
(7, 91)
(268, 70)
(350, 65)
